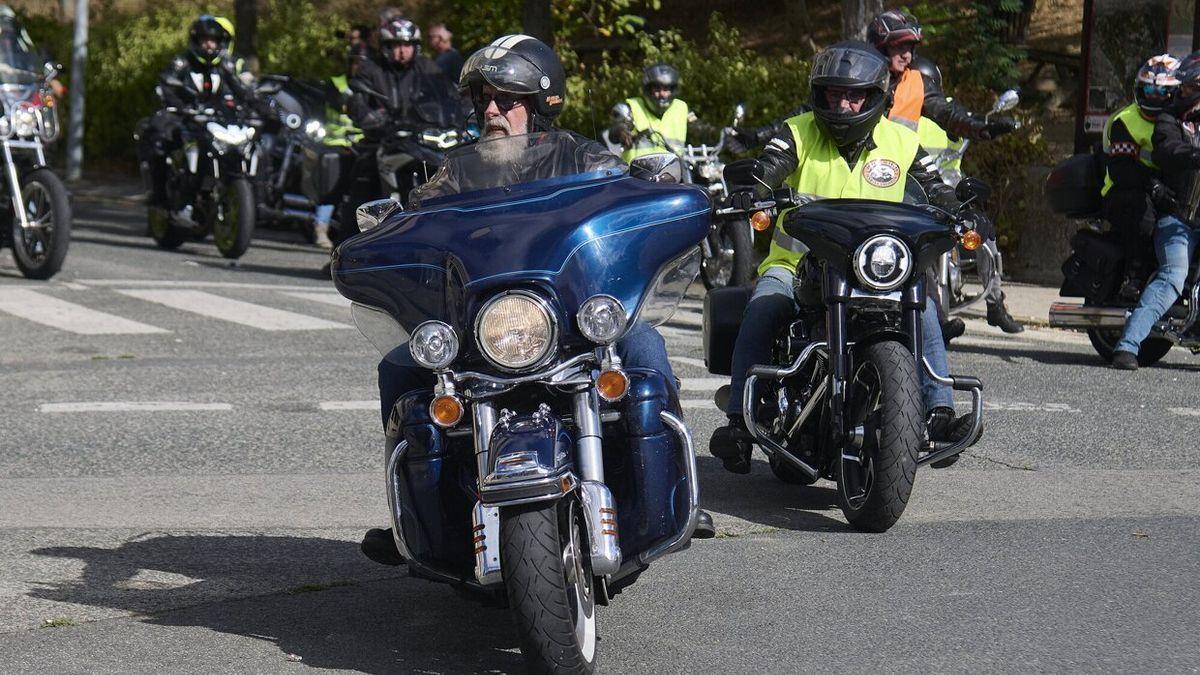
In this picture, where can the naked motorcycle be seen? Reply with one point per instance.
(36, 216)
(537, 469)
(1100, 271)
(841, 398)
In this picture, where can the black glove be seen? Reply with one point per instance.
(1161, 196)
(743, 199)
(734, 142)
(942, 196)
(624, 137)
(373, 120)
(979, 222)
(999, 125)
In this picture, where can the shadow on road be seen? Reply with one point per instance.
(312, 597)
(763, 499)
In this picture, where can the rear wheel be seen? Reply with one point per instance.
(884, 402)
(550, 587)
(39, 250)
(234, 225)
(1104, 341)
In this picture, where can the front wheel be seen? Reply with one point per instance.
(234, 225)
(550, 587)
(39, 250)
(883, 403)
(732, 262)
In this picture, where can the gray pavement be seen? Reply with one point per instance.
(191, 500)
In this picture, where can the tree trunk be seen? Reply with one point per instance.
(856, 14)
(246, 26)
(536, 20)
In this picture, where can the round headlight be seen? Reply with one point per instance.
(882, 263)
(315, 130)
(602, 319)
(24, 121)
(433, 345)
(515, 330)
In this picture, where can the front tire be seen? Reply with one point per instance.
(550, 587)
(884, 397)
(234, 225)
(40, 250)
(733, 261)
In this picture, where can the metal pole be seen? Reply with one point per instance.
(78, 64)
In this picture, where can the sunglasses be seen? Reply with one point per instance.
(851, 95)
(504, 102)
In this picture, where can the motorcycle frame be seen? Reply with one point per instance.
(14, 177)
(837, 349)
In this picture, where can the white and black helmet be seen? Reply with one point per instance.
(398, 29)
(520, 65)
(849, 65)
(660, 75)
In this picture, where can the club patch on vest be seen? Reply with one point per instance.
(881, 172)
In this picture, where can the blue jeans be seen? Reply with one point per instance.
(773, 306)
(642, 347)
(1174, 244)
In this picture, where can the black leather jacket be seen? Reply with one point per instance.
(415, 97)
(187, 84)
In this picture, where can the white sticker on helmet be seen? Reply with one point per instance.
(545, 82)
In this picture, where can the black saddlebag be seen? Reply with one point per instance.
(1073, 187)
(1094, 268)
(723, 309)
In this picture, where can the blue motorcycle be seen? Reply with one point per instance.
(537, 468)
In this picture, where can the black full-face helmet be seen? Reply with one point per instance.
(520, 65)
(893, 27)
(855, 66)
(398, 30)
(658, 76)
(207, 26)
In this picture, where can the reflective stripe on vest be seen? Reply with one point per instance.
(908, 100)
(672, 126)
(880, 173)
(1142, 131)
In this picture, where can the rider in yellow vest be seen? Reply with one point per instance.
(842, 148)
(917, 93)
(656, 121)
(1131, 179)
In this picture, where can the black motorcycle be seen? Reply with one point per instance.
(209, 187)
(841, 398)
(1101, 270)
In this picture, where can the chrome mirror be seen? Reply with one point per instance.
(1007, 101)
(739, 114)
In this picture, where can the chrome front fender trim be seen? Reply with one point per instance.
(673, 544)
(393, 485)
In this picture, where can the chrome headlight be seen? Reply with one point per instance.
(434, 345)
(602, 319)
(515, 330)
(24, 121)
(883, 263)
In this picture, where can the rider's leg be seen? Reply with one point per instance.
(398, 375)
(988, 263)
(321, 218)
(1174, 243)
(939, 398)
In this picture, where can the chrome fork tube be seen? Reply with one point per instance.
(14, 183)
(483, 414)
(587, 418)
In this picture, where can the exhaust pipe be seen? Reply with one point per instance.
(1073, 316)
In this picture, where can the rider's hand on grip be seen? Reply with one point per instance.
(744, 199)
(979, 222)
(1161, 196)
(1000, 125)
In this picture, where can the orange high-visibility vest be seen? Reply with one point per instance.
(908, 99)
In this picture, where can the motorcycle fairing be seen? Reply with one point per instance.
(833, 228)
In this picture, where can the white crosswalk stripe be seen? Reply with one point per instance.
(235, 311)
(55, 313)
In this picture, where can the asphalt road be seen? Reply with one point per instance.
(187, 496)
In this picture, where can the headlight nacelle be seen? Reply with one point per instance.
(882, 263)
(516, 330)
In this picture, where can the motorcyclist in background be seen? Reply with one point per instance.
(814, 153)
(916, 90)
(399, 89)
(1175, 239)
(340, 133)
(661, 120)
(203, 77)
(517, 86)
(1131, 180)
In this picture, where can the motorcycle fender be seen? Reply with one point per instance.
(531, 460)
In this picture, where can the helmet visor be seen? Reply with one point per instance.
(852, 68)
(504, 69)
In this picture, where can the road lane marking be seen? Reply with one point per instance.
(689, 361)
(235, 311)
(686, 318)
(159, 283)
(349, 405)
(131, 406)
(698, 404)
(703, 383)
(50, 311)
(326, 298)
(1019, 406)
(1188, 412)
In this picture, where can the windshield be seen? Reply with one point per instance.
(511, 160)
(19, 63)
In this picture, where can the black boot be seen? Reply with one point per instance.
(380, 546)
(704, 526)
(732, 445)
(953, 328)
(1123, 360)
(944, 427)
(997, 315)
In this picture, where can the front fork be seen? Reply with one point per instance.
(14, 178)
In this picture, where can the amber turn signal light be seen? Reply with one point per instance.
(971, 240)
(446, 411)
(612, 385)
(760, 221)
